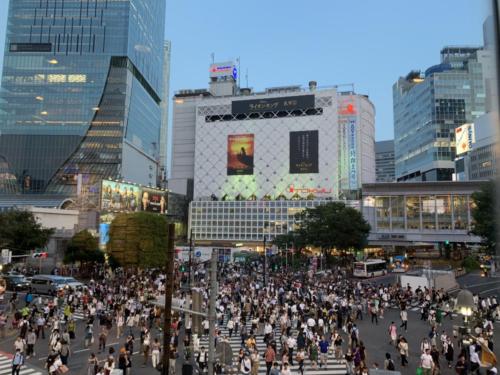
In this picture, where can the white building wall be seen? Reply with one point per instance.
(271, 150)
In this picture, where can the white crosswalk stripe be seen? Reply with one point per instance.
(333, 367)
(6, 367)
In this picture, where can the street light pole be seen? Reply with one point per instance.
(169, 287)
(265, 262)
(191, 274)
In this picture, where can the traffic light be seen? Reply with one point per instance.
(446, 242)
(40, 255)
(182, 268)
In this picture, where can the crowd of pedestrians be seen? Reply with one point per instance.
(305, 320)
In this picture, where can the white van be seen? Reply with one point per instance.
(47, 284)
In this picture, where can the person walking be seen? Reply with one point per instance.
(92, 365)
(17, 362)
(403, 351)
(323, 350)
(404, 319)
(393, 333)
(155, 353)
(269, 356)
(254, 358)
(426, 362)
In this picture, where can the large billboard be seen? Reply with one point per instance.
(304, 152)
(119, 196)
(240, 154)
(464, 137)
(287, 103)
(153, 200)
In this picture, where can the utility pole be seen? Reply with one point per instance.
(211, 313)
(265, 262)
(191, 273)
(169, 287)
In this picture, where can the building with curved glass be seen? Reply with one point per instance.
(81, 92)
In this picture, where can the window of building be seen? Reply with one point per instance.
(443, 209)
(398, 212)
(413, 212)
(460, 216)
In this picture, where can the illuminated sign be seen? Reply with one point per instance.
(288, 103)
(304, 190)
(353, 165)
(347, 108)
(465, 137)
(227, 69)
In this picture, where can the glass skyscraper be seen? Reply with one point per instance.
(81, 92)
(427, 109)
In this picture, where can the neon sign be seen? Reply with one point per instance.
(303, 190)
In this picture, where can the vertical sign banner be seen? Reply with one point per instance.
(304, 152)
(464, 137)
(353, 165)
(240, 154)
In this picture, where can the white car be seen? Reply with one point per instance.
(73, 283)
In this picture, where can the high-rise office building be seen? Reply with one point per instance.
(81, 94)
(165, 105)
(429, 106)
(384, 161)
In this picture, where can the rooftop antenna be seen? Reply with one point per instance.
(246, 77)
(212, 55)
(238, 60)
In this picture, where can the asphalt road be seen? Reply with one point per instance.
(375, 337)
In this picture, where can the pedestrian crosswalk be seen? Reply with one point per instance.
(333, 366)
(6, 367)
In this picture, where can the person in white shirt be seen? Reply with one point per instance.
(426, 362)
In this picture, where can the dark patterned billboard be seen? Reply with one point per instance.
(304, 152)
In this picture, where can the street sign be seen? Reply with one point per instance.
(197, 254)
(224, 353)
(6, 256)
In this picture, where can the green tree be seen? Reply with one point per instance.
(21, 233)
(333, 225)
(138, 239)
(84, 248)
(484, 216)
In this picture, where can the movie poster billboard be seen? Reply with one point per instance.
(304, 152)
(119, 196)
(240, 154)
(153, 200)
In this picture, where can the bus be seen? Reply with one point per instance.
(370, 268)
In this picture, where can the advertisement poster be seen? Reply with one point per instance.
(353, 163)
(240, 148)
(103, 234)
(465, 137)
(304, 152)
(153, 200)
(119, 196)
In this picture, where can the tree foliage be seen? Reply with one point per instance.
(333, 225)
(138, 239)
(21, 233)
(83, 247)
(484, 215)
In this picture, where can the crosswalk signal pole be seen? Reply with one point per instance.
(211, 313)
